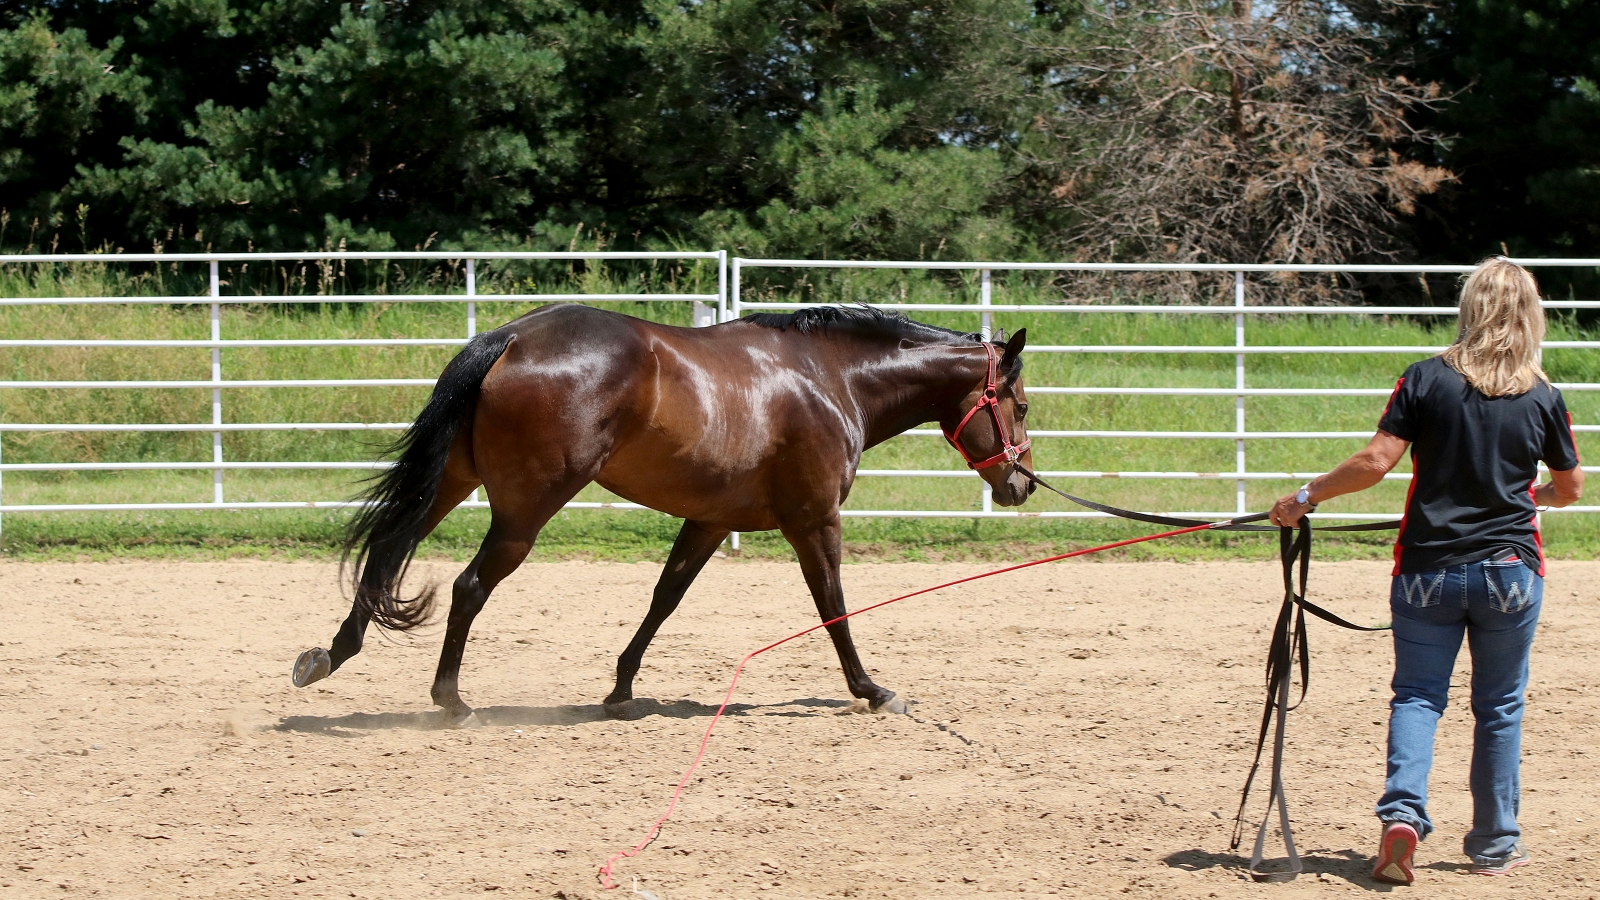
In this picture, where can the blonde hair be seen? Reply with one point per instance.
(1502, 324)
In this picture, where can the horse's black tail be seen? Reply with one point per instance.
(384, 535)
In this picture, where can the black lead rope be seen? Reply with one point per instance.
(1288, 644)
(1239, 523)
(1288, 641)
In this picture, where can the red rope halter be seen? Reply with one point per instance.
(990, 400)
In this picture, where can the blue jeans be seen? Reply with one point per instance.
(1496, 605)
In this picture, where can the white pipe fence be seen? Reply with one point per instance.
(724, 305)
(715, 305)
(985, 308)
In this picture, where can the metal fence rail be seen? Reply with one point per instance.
(723, 305)
(709, 308)
(1241, 349)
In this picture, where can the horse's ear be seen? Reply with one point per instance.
(1014, 348)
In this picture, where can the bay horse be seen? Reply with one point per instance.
(752, 425)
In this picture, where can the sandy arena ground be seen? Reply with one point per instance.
(1078, 729)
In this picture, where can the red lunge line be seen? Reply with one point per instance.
(605, 870)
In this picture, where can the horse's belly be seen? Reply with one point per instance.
(689, 489)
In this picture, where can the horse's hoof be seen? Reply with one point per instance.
(464, 717)
(312, 666)
(893, 706)
(633, 709)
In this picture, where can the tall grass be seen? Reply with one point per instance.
(625, 534)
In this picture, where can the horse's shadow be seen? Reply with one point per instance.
(1345, 865)
(350, 724)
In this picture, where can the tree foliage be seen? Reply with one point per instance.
(1308, 130)
(291, 123)
(1202, 131)
(1523, 127)
(54, 88)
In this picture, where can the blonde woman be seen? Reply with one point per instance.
(1478, 419)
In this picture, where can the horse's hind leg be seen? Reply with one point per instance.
(819, 551)
(459, 480)
(690, 551)
(513, 529)
(503, 549)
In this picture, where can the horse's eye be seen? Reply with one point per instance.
(1022, 410)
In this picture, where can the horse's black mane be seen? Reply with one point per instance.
(866, 319)
(871, 320)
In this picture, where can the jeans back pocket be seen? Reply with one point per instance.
(1422, 590)
(1512, 585)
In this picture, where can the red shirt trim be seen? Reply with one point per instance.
(1532, 487)
(1397, 391)
(1410, 489)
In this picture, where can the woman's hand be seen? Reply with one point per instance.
(1288, 512)
(1563, 489)
(1361, 471)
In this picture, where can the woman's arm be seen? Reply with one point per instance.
(1563, 488)
(1361, 471)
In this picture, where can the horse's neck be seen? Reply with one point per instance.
(907, 388)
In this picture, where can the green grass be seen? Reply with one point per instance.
(625, 535)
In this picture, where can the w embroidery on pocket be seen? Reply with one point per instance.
(1423, 590)
(1510, 587)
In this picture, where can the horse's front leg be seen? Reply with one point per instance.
(818, 549)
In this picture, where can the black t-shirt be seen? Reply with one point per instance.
(1475, 464)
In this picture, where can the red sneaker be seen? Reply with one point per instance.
(1395, 850)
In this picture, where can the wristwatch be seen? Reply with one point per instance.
(1303, 497)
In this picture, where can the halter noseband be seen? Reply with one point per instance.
(990, 400)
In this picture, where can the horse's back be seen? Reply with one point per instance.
(565, 328)
(735, 359)
(695, 422)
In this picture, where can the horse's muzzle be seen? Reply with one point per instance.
(1015, 491)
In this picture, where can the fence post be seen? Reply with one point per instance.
(985, 298)
(216, 377)
(722, 285)
(1238, 384)
(472, 323)
(733, 538)
(472, 306)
